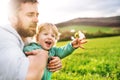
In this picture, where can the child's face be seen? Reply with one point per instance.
(46, 39)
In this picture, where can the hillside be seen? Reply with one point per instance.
(102, 21)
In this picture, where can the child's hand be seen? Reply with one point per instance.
(78, 43)
(79, 39)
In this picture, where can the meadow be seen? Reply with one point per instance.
(89, 31)
(100, 60)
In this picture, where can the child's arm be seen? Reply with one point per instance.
(69, 48)
(64, 50)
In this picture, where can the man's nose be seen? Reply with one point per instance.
(35, 19)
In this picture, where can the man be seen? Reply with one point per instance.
(14, 65)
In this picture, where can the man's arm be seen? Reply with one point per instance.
(55, 63)
(38, 60)
(16, 66)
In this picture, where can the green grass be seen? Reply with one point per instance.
(100, 60)
(88, 29)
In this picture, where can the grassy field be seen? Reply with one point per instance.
(100, 60)
(88, 29)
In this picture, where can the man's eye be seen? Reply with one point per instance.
(45, 34)
(30, 15)
(37, 14)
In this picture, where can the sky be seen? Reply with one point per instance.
(56, 11)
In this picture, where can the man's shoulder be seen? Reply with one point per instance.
(9, 35)
(5, 32)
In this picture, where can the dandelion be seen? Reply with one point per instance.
(79, 35)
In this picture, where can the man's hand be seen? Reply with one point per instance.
(54, 64)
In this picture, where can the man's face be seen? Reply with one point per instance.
(27, 19)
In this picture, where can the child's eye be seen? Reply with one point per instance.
(53, 36)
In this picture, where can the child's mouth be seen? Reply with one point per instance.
(48, 42)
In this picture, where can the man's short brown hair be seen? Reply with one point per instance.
(15, 4)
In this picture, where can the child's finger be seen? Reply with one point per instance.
(81, 47)
(83, 41)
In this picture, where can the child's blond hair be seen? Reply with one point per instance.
(47, 26)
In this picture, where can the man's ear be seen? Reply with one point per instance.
(13, 19)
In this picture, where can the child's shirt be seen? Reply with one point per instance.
(61, 52)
